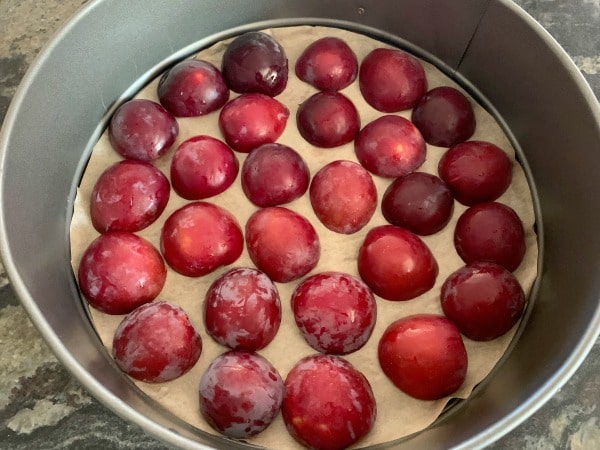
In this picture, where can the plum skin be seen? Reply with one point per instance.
(328, 64)
(424, 356)
(142, 130)
(328, 119)
(242, 309)
(390, 146)
(476, 171)
(128, 196)
(335, 312)
(120, 271)
(202, 167)
(282, 243)
(251, 120)
(156, 343)
(444, 116)
(255, 62)
(396, 264)
(240, 394)
(391, 80)
(200, 237)
(274, 174)
(343, 196)
(483, 299)
(418, 201)
(192, 88)
(490, 231)
(328, 404)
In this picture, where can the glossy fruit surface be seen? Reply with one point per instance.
(391, 80)
(390, 146)
(282, 243)
(444, 116)
(120, 271)
(490, 232)
(328, 119)
(242, 309)
(329, 64)
(156, 343)
(483, 299)
(396, 264)
(424, 356)
(240, 394)
(343, 196)
(335, 312)
(476, 172)
(274, 174)
(251, 120)
(200, 237)
(142, 130)
(192, 88)
(128, 196)
(419, 202)
(255, 62)
(328, 404)
(202, 167)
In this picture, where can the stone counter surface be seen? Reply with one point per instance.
(43, 407)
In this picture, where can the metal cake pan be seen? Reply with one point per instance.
(110, 47)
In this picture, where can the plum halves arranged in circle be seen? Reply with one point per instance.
(335, 312)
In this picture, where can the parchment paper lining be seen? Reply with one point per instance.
(398, 414)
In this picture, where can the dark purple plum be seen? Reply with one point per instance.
(492, 232)
(274, 174)
(328, 119)
(419, 202)
(142, 130)
(444, 116)
(192, 88)
(255, 62)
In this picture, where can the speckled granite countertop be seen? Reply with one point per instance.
(43, 407)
